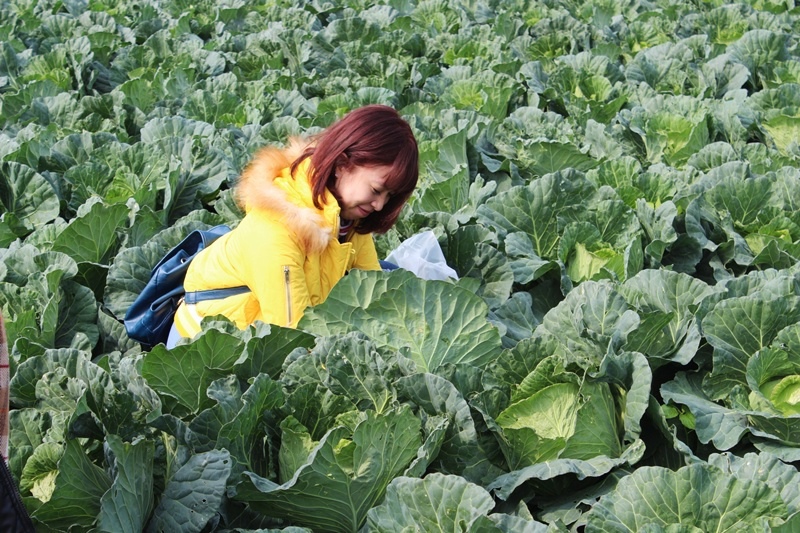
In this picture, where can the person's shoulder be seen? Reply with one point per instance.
(282, 235)
(261, 221)
(255, 185)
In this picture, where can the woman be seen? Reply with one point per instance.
(310, 211)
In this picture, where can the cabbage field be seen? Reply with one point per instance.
(616, 183)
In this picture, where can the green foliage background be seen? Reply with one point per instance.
(615, 181)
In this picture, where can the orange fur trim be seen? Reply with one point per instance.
(256, 190)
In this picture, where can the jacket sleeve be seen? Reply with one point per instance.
(272, 266)
(366, 255)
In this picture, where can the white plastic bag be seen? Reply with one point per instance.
(422, 255)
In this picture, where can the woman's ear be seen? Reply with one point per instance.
(342, 163)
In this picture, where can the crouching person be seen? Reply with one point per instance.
(310, 211)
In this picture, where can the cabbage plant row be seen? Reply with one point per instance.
(615, 181)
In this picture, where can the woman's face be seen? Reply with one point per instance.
(361, 190)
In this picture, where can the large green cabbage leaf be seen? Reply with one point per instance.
(436, 321)
(444, 502)
(343, 476)
(698, 497)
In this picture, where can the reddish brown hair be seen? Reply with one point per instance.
(373, 135)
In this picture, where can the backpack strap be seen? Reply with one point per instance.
(194, 297)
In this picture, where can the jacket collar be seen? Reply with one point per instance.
(267, 185)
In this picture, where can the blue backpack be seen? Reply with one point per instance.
(149, 318)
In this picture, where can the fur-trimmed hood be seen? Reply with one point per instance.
(266, 184)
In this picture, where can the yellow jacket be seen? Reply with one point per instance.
(285, 250)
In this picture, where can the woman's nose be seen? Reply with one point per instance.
(379, 202)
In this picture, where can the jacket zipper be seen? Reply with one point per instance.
(286, 281)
